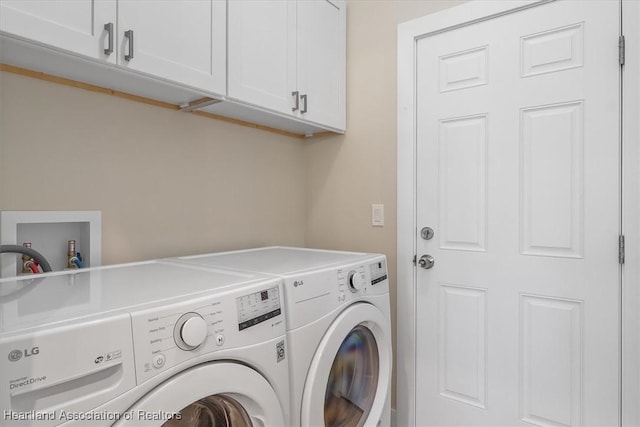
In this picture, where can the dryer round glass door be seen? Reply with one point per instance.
(348, 380)
(214, 394)
(353, 379)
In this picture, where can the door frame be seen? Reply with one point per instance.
(408, 35)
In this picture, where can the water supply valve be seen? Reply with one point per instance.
(74, 259)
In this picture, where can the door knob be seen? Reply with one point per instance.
(426, 261)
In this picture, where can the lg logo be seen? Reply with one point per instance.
(298, 283)
(16, 355)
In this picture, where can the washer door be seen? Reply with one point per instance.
(215, 394)
(349, 377)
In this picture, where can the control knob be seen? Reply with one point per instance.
(190, 331)
(356, 281)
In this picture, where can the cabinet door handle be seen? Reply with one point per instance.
(296, 94)
(109, 29)
(129, 35)
(305, 100)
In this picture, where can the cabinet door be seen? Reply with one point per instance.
(321, 60)
(77, 26)
(262, 49)
(182, 41)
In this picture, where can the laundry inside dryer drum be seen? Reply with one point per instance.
(353, 380)
(212, 411)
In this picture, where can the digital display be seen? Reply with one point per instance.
(258, 307)
(378, 272)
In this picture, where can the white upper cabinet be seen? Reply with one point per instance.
(321, 61)
(273, 63)
(262, 49)
(182, 41)
(85, 27)
(289, 56)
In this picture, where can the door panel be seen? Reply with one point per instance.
(262, 53)
(552, 381)
(75, 26)
(551, 187)
(462, 344)
(321, 60)
(193, 53)
(518, 174)
(462, 183)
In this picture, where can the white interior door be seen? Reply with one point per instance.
(517, 130)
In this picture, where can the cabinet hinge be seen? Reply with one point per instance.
(621, 50)
(621, 249)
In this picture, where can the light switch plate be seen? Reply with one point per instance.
(377, 215)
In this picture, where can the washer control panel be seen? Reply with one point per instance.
(258, 307)
(169, 335)
(190, 331)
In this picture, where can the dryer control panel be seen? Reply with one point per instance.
(362, 279)
(313, 294)
(378, 272)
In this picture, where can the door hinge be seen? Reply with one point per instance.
(621, 50)
(621, 249)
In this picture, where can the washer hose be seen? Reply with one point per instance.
(37, 256)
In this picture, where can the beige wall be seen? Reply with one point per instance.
(349, 173)
(167, 183)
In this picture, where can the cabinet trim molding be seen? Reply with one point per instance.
(106, 91)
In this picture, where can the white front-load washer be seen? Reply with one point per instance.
(338, 330)
(141, 344)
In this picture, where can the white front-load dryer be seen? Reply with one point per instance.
(338, 330)
(151, 343)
